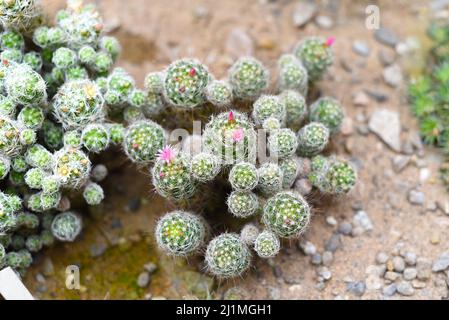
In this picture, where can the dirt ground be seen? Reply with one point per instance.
(153, 33)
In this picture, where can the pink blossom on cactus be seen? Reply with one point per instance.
(330, 41)
(231, 117)
(167, 154)
(237, 135)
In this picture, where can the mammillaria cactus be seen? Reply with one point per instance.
(290, 169)
(269, 107)
(282, 143)
(66, 226)
(243, 204)
(249, 234)
(270, 178)
(5, 166)
(219, 93)
(30, 117)
(295, 107)
(71, 166)
(312, 139)
(142, 140)
(292, 74)
(287, 214)
(39, 157)
(25, 86)
(20, 15)
(243, 176)
(185, 83)
(227, 256)
(93, 194)
(205, 167)
(267, 244)
(329, 112)
(316, 55)
(248, 78)
(180, 233)
(10, 144)
(95, 138)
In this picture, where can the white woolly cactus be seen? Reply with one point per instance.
(66, 226)
(248, 78)
(180, 233)
(243, 176)
(78, 103)
(329, 112)
(243, 204)
(269, 107)
(231, 136)
(25, 86)
(271, 124)
(249, 234)
(290, 169)
(270, 178)
(292, 74)
(267, 244)
(219, 93)
(95, 138)
(39, 157)
(30, 117)
(9, 206)
(287, 214)
(154, 82)
(71, 166)
(5, 166)
(282, 143)
(20, 15)
(316, 55)
(93, 194)
(295, 106)
(227, 256)
(205, 167)
(171, 175)
(312, 139)
(120, 86)
(10, 144)
(142, 140)
(185, 83)
(34, 177)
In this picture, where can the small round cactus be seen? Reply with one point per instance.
(72, 138)
(248, 78)
(18, 260)
(34, 60)
(312, 139)
(34, 177)
(49, 200)
(27, 137)
(95, 138)
(332, 176)
(19, 164)
(2, 255)
(32, 118)
(7, 106)
(47, 238)
(12, 40)
(50, 184)
(64, 58)
(102, 63)
(185, 82)
(267, 244)
(66, 226)
(219, 93)
(243, 204)
(142, 141)
(86, 55)
(34, 243)
(282, 143)
(292, 74)
(249, 233)
(243, 176)
(111, 46)
(329, 112)
(227, 256)
(9, 136)
(180, 233)
(154, 104)
(296, 107)
(316, 55)
(39, 157)
(27, 220)
(5, 166)
(78, 103)
(133, 114)
(205, 167)
(269, 107)
(154, 82)
(171, 175)
(20, 15)
(116, 133)
(287, 214)
(231, 136)
(71, 167)
(25, 86)
(270, 178)
(290, 169)
(11, 55)
(52, 135)
(93, 194)
(137, 98)
(271, 124)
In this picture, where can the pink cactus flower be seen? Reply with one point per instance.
(238, 134)
(330, 41)
(167, 154)
(231, 117)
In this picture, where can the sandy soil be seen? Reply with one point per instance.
(155, 32)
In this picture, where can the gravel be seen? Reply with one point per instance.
(316, 259)
(382, 258)
(405, 288)
(393, 75)
(307, 247)
(357, 288)
(398, 264)
(400, 162)
(410, 273)
(410, 258)
(143, 279)
(387, 126)
(361, 48)
(416, 197)
(442, 263)
(389, 290)
(333, 243)
(328, 258)
(97, 250)
(386, 36)
(345, 228)
(362, 220)
(150, 267)
(423, 266)
(324, 273)
(303, 13)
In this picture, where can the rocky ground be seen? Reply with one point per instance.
(387, 240)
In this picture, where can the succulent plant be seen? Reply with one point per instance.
(248, 78)
(270, 178)
(205, 167)
(39, 157)
(93, 194)
(5, 166)
(66, 226)
(329, 112)
(95, 138)
(219, 93)
(312, 139)
(292, 74)
(30, 117)
(20, 15)
(180, 233)
(267, 244)
(71, 166)
(282, 143)
(295, 106)
(25, 86)
(243, 204)
(316, 55)
(249, 234)
(227, 256)
(269, 107)
(142, 140)
(290, 169)
(243, 176)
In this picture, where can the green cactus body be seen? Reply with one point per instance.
(292, 74)
(25, 86)
(243, 204)
(39, 157)
(270, 178)
(267, 244)
(32, 118)
(64, 58)
(329, 112)
(312, 139)
(34, 243)
(93, 194)
(243, 176)
(282, 143)
(34, 60)
(142, 141)
(95, 138)
(290, 169)
(154, 82)
(295, 106)
(205, 167)
(72, 139)
(33, 178)
(269, 107)
(248, 78)
(71, 167)
(5, 166)
(316, 55)
(219, 93)
(66, 226)
(116, 133)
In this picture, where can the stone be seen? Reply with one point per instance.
(307, 247)
(381, 258)
(410, 258)
(361, 219)
(373, 282)
(423, 267)
(239, 43)
(324, 273)
(360, 99)
(40, 278)
(345, 228)
(328, 258)
(418, 284)
(331, 221)
(389, 290)
(333, 243)
(143, 279)
(393, 75)
(405, 288)
(444, 206)
(150, 267)
(435, 237)
(442, 263)
(386, 57)
(391, 276)
(316, 259)
(357, 288)
(416, 197)
(303, 13)
(398, 264)
(438, 5)
(274, 293)
(48, 268)
(386, 37)
(303, 186)
(387, 126)
(410, 273)
(97, 250)
(424, 174)
(361, 48)
(400, 162)
(324, 22)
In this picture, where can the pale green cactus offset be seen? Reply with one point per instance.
(227, 256)
(5, 166)
(269, 107)
(185, 83)
(180, 233)
(142, 141)
(27, 220)
(316, 55)
(39, 157)
(116, 133)
(270, 178)
(25, 86)
(271, 124)
(205, 167)
(71, 166)
(34, 243)
(27, 137)
(87, 55)
(286, 214)
(282, 143)
(50, 184)
(72, 138)
(95, 138)
(154, 82)
(30, 117)
(295, 106)
(290, 169)
(52, 135)
(312, 139)
(249, 234)
(66, 226)
(133, 114)
(20, 15)
(111, 46)
(93, 194)
(267, 244)
(19, 164)
(120, 86)
(64, 58)
(34, 60)
(11, 56)
(34, 177)
(243, 204)
(329, 112)
(11, 39)
(243, 176)
(248, 78)
(292, 74)
(219, 93)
